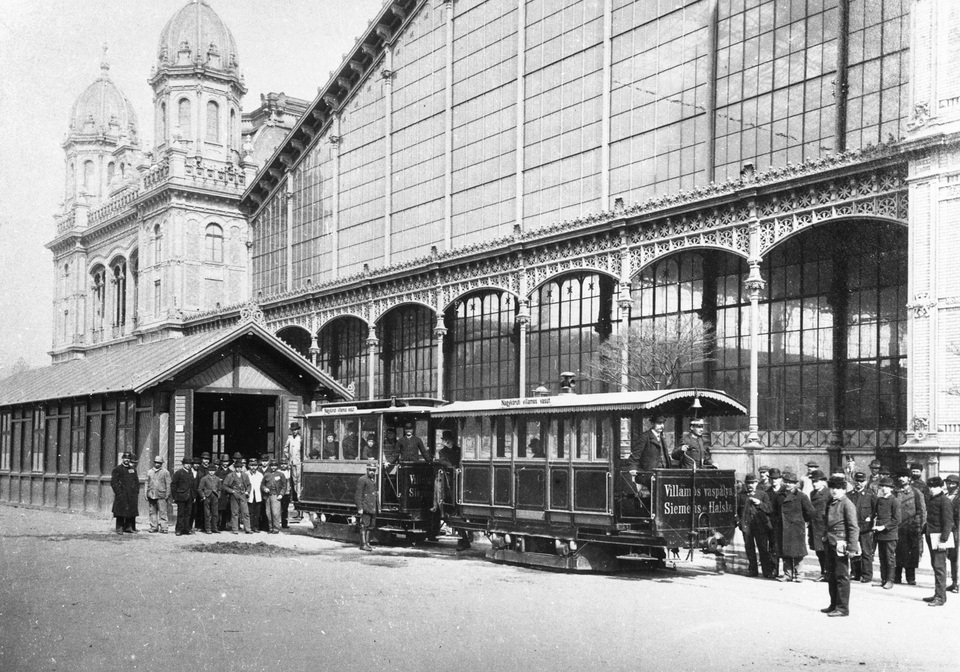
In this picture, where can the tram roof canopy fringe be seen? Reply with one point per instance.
(138, 367)
(666, 402)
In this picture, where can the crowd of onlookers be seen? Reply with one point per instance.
(782, 517)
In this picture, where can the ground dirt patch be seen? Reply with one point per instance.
(239, 548)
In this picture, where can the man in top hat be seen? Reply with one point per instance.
(693, 453)
(158, 490)
(774, 491)
(368, 504)
(886, 530)
(753, 519)
(940, 537)
(272, 487)
(913, 516)
(793, 510)
(841, 541)
(126, 494)
(806, 483)
(866, 504)
(184, 488)
(209, 491)
(650, 451)
(237, 485)
(293, 452)
(952, 482)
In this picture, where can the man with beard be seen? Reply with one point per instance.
(126, 494)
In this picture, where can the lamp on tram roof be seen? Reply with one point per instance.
(567, 382)
(541, 391)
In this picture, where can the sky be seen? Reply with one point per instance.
(50, 51)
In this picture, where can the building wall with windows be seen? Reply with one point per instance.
(779, 173)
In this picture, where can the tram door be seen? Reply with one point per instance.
(530, 475)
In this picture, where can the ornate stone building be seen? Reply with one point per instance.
(485, 191)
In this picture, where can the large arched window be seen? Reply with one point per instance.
(569, 318)
(214, 243)
(481, 347)
(213, 122)
(183, 118)
(98, 289)
(297, 338)
(343, 352)
(111, 169)
(407, 352)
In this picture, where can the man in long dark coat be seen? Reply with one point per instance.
(126, 494)
(183, 486)
(819, 497)
(753, 519)
(794, 510)
(939, 535)
(651, 451)
(913, 517)
(865, 502)
(886, 530)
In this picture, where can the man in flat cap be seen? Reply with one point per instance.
(210, 487)
(794, 511)
(841, 539)
(886, 526)
(693, 452)
(650, 451)
(952, 482)
(368, 504)
(806, 483)
(158, 491)
(126, 494)
(272, 487)
(184, 488)
(866, 504)
(940, 537)
(913, 516)
(753, 519)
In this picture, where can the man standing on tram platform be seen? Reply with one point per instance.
(411, 446)
(293, 453)
(693, 451)
(368, 505)
(651, 453)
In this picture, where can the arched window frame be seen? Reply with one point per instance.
(213, 121)
(213, 243)
(157, 244)
(88, 170)
(118, 270)
(183, 118)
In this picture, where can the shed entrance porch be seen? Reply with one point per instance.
(235, 423)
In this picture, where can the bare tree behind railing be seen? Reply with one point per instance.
(656, 354)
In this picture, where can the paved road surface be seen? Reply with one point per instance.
(75, 596)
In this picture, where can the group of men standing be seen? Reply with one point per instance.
(846, 518)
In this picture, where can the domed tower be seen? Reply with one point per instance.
(197, 86)
(101, 145)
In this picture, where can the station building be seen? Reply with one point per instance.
(485, 191)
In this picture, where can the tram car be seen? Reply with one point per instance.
(341, 438)
(546, 479)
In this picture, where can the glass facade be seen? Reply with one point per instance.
(407, 353)
(343, 353)
(569, 318)
(482, 354)
(312, 215)
(269, 248)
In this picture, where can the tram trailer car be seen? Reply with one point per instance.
(547, 480)
(341, 438)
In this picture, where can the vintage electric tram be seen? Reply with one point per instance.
(340, 439)
(545, 478)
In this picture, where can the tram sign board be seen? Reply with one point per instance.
(339, 410)
(699, 500)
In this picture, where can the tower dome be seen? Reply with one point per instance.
(103, 110)
(195, 34)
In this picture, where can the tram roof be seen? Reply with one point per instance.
(667, 402)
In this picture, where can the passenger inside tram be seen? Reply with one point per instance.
(370, 451)
(350, 446)
(330, 446)
(535, 448)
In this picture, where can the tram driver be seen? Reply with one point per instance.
(411, 446)
(693, 452)
(650, 451)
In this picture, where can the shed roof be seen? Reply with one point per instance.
(135, 368)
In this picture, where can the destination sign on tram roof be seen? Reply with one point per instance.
(527, 401)
(339, 410)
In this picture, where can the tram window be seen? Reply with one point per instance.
(531, 445)
(315, 449)
(555, 439)
(505, 431)
(369, 441)
(486, 439)
(604, 440)
(330, 450)
(587, 439)
(470, 438)
(350, 443)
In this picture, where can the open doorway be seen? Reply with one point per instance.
(234, 423)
